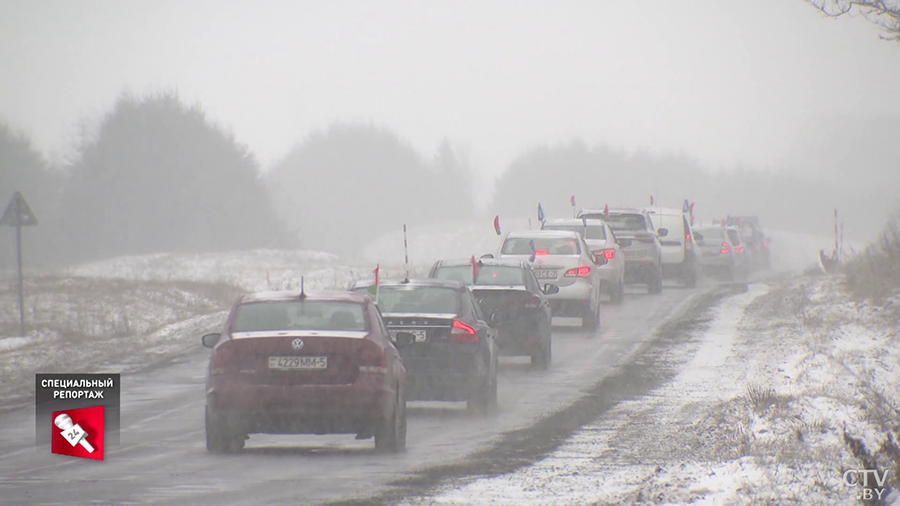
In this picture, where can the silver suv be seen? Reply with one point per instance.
(643, 257)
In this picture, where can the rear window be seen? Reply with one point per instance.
(300, 315)
(415, 299)
(547, 245)
(590, 232)
(711, 234)
(487, 274)
(734, 237)
(619, 222)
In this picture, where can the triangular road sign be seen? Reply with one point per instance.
(18, 213)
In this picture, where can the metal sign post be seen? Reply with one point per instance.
(19, 215)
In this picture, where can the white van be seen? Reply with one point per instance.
(679, 252)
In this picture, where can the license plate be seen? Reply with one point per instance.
(545, 273)
(294, 363)
(420, 334)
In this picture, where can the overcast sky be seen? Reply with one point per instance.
(726, 81)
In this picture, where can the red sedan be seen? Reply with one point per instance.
(304, 363)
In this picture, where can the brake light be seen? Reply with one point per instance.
(371, 359)
(462, 333)
(687, 237)
(580, 272)
(765, 244)
(738, 249)
(608, 254)
(540, 253)
(224, 360)
(726, 248)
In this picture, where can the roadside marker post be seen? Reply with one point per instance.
(19, 215)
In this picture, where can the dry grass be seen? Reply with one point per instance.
(874, 274)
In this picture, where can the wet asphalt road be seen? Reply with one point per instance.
(162, 457)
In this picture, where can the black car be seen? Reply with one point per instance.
(508, 291)
(449, 350)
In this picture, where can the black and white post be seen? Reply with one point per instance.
(19, 215)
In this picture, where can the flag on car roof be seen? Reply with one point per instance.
(685, 208)
(533, 249)
(540, 213)
(377, 268)
(651, 200)
(572, 200)
(606, 210)
(497, 224)
(584, 221)
(474, 269)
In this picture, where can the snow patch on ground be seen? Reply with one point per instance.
(758, 414)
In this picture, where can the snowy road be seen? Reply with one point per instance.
(162, 458)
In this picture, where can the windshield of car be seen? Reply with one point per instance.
(300, 315)
(626, 221)
(487, 274)
(597, 232)
(545, 245)
(415, 299)
(714, 234)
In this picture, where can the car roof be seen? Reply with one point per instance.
(288, 295)
(664, 211)
(456, 262)
(445, 283)
(559, 234)
(626, 210)
(575, 222)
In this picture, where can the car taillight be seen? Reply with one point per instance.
(462, 333)
(738, 249)
(580, 272)
(765, 244)
(608, 254)
(224, 360)
(540, 253)
(687, 237)
(726, 248)
(371, 359)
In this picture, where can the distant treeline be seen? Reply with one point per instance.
(158, 176)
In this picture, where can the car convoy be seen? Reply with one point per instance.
(347, 361)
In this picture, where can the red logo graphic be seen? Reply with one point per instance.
(78, 433)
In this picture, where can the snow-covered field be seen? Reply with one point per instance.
(757, 415)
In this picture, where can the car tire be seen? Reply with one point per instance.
(219, 439)
(618, 295)
(541, 359)
(390, 434)
(485, 400)
(655, 287)
(590, 320)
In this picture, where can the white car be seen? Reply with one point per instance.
(603, 243)
(562, 258)
(723, 250)
(679, 252)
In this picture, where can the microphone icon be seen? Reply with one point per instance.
(72, 432)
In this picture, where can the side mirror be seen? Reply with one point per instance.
(210, 340)
(698, 237)
(625, 243)
(489, 255)
(550, 289)
(404, 339)
(662, 232)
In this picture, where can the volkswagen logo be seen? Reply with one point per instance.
(297, 344)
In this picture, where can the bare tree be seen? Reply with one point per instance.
(884, 13)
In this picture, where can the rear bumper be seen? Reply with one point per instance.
(301, 409)
(444, 373)
(580, 289)
(640, 271)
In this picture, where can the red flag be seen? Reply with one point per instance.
(651, 200)
(474, 269)
(497, 224)
(572, 200)
(606, 210)
(376, 273)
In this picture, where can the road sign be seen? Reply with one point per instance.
(18, 214)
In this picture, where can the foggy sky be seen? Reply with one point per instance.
(725, 81)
